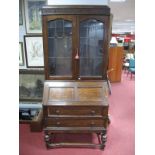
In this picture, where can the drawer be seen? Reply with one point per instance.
(75, 122)
(76, 110)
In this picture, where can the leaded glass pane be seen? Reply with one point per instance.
(60, 47)
(91, 47)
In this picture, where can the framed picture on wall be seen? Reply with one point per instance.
(33, 15)
(34, 51)
(20, 13)
(21, 57)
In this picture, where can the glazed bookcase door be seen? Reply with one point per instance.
(92, 47)
(59, 46)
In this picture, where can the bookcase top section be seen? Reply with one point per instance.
(76, 10)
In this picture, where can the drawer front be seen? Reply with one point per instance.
(83, 122)
(77, 110)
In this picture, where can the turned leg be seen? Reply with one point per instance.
(48, 138)
(103, 139)
(108, 119)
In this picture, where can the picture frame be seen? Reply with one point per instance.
(20, 13)
(33, 15)
(34, 51)
(31, 86)
(21, 56)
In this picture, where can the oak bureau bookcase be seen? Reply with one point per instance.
(75, 98)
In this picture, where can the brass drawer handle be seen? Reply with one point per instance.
(92, 123)
(57, 111)
(93, 112)
(58, 123)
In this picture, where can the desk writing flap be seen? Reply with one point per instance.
(55, 91)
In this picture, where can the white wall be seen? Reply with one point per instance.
(77, 2)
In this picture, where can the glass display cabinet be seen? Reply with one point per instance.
(76, 42)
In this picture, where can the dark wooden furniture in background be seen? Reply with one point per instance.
(115, 64)
(76, 43)
(36, 125)
(36, 122)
